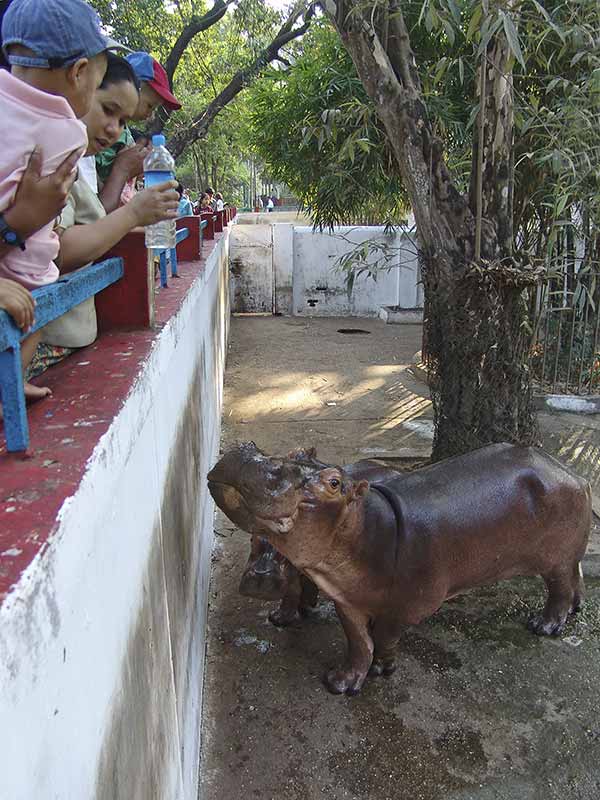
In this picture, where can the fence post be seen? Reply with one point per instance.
(130, 302)
(189, 249)
(209, 231)
(12, 396)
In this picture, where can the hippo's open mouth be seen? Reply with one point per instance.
(237, 504)
(278, 524)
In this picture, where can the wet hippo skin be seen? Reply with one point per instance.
(389, 554)
(268, 575)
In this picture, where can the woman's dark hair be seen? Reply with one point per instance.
(118, 71)
(180, 190)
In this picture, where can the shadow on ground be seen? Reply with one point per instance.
(479, 708)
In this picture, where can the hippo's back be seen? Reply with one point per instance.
(487, 474)
(489, 515)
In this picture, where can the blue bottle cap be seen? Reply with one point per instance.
(158, 140)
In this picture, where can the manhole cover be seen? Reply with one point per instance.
(353, 330)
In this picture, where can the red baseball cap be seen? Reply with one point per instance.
(151, 72)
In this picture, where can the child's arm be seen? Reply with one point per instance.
(39, 200)
(81, 244)
(128, 164)
(19, 303)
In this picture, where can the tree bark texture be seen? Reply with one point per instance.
(475, 314)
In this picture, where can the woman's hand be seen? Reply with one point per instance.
(40, 200)
(130, 160)
(156, 204)
(19, 303)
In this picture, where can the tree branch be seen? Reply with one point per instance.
(390, 77)
(195, 26)
(200, 125)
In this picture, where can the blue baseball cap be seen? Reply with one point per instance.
(58, 32)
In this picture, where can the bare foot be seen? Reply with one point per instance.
(33, 393)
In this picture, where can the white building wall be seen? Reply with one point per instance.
(300, 271)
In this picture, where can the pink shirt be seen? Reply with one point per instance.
(29, 118)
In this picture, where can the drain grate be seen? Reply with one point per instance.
(353, 330)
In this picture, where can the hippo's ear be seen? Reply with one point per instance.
(361, 488)
(357, 489)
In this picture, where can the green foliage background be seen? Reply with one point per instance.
(207, 65)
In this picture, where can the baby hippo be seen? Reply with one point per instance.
(270, 576)
(389, 554)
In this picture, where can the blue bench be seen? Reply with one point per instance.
(52, 301)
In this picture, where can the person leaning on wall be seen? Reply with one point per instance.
(119, 165)
(85, 230)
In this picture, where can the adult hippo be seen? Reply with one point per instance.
(388, 555)
(268, 575)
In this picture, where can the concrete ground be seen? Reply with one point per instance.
(479, 709)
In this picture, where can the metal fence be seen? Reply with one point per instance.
(565, 354)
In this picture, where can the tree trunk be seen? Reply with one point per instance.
(475, 320)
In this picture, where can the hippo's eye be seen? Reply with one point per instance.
(334, 483)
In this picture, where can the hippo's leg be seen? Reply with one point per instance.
(287, 613)
(578, 588)
(559, 604)
(385, 639)
(310, 592)
(351, 676)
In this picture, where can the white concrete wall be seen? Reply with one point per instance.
(297, 268)
(102, 641)
(251, 266)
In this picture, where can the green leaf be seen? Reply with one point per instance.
(513, 38)
(474, 22)
(454, 10)
(449, 30)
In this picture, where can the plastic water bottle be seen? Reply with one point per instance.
(159, 166)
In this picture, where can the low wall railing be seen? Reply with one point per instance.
(51, 301)
(124, 289)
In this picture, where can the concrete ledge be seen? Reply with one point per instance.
(394, 315)
(419, 369)
(568, 402)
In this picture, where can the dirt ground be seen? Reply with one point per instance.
(479, 708)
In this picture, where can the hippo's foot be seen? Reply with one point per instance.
(382, 666)
(541, 626)
(283, 618)
(348, 681)
(577, 603)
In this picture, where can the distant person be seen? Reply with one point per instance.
(211, 195)
(220, 203)
(204, 204)
(270, 204)
(57, 55)
(185, 208)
